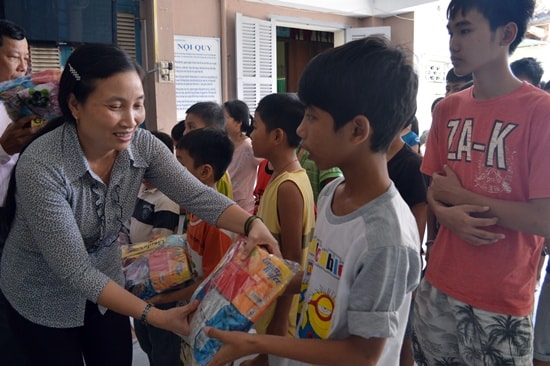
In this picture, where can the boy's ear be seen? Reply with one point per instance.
(206, 173)
(278, 134)
(360, 129)
(509, 33)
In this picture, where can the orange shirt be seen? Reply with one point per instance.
(208, 244)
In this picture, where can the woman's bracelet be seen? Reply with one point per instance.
(248, 223)
(145, 312)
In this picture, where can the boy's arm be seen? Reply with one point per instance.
(290, 208)
(531, 216)
(354, 350)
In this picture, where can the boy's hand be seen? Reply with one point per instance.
(460, 221)
(446, 188)
(235, 345)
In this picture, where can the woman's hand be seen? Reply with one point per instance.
(259, 235)
(176, 319)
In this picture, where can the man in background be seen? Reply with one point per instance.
(14, 61)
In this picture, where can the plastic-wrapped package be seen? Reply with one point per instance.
(33, 94)
(157, 266)
(236, 294)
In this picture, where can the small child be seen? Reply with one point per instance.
(209, 114)
(363, 263)
(244, 165)
(287, 204)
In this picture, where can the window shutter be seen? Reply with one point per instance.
(45, 57)
(255, 59)
(126, 33)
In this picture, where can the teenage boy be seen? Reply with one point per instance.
(487, 156)
(528, 69)
(363, 263)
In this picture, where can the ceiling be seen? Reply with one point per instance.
(355, 8)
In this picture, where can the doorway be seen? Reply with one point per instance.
(295, 47)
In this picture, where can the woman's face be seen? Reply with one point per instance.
(106, 121)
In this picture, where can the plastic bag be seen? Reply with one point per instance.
(33, 94)
(157, 266)
(236, 294)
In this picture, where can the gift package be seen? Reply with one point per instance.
(33, 94)
(236, 294)
(157, 266)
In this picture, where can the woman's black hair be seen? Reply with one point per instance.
(86, 65)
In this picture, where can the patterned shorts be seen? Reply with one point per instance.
(449, 332)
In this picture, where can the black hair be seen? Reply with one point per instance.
(11, 30)
(165, 138)
(454, 78)
(546, 86)
(368, 77)
(284, 111)
(85, 66)
(210, 112)
(177, 130)
(434, 103)
(208, 146)
(528, 67)
(238, 110)
(498, 13)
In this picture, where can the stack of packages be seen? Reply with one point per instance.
(157, 266)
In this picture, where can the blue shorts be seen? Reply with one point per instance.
(447, 331)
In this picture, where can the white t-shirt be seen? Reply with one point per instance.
(361, 270)
(7, 162)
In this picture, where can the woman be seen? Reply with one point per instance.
(74, 186)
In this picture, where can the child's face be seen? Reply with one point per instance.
(232, 126)
(318, 137)
(260, 137)
(472, 44)
(193, 122)
(187, 161)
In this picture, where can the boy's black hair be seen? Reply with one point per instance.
(238, 110)
(210, 112)
(11, 30)
(208, 146)
(434, 103)
(177, 131)
(454, 78)
(528, 67)
(498, 13)
(284, 111)
(368, 77)
(165, 138)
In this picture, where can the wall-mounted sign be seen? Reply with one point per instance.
(197, 71)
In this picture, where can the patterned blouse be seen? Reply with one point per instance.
(62, 247)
